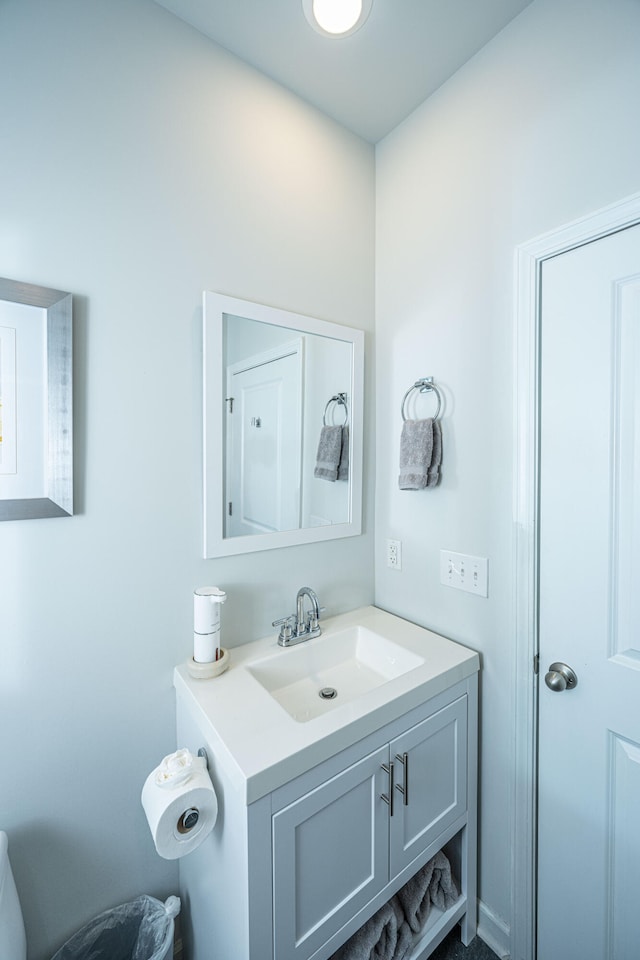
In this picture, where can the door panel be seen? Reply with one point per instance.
(589, 616)
(264, 443)
(330, 856)
(436, 782)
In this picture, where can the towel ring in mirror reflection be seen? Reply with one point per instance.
(341, 400)
(425, 385)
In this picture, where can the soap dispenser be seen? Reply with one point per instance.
(209, 657)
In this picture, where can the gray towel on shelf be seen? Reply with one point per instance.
(329, 451)
(442, 889)
(404, 943)
(416, 450)
(432, 884)
(386, 936)
(343, 466)
(433, 473)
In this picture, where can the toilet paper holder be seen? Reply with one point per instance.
(180, 803)
(190, 817)
(188, 820)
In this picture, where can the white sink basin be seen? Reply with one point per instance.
(344, 665)
(381, 666)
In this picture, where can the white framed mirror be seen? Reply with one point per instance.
(282, 427)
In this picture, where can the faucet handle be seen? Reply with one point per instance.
(286, 626)
(312, 621)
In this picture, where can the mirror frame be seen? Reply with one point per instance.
(215, 307)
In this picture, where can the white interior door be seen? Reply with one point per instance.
(264, 443)
(589, 615)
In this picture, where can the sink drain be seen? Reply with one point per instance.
(328, 693)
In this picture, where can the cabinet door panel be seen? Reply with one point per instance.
(330, 856)
(437, 785)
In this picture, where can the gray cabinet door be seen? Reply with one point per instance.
(330, 856)
(435, 782)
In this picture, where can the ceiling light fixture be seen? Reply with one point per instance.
(336, 18)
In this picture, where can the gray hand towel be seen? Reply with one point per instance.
(343, 467)
(404, 944)
(433, 473)
(416, 449)
(432, 884)
(328, 456)
(386, 936)
(442, 889)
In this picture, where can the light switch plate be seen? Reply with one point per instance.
(465, 572)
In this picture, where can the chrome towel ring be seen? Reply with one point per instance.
(341, 400)
(425, 385)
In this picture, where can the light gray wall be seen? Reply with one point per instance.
(140, 164)
(538, 129)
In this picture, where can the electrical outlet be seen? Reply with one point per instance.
(394, 554)
(464, 572)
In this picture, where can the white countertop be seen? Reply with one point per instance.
(262, 747)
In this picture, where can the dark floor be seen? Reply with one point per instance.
(177, 941)
(451, 948)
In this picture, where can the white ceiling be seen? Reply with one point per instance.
(370, 81)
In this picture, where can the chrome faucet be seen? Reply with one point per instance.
(300, 626)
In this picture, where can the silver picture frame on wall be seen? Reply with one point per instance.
(36, 405)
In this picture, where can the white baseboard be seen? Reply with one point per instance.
(493, 931)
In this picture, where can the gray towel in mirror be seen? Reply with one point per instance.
(343, 467)
(329, 452)
(332, 458)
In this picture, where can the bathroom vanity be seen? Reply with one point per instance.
(327, 807)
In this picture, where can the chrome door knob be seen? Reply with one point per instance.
(560, 677)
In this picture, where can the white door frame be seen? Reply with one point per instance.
(529, 260)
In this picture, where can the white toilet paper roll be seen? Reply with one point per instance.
(181, 808)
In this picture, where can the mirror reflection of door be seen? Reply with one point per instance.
(264, 442)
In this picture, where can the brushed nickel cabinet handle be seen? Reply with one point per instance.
(404, 789)
(388, 797)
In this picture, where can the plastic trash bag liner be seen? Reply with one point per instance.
(139, 930)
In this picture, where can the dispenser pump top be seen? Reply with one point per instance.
(213, 593)
(206, 609)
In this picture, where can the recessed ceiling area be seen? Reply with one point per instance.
(368, 81)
